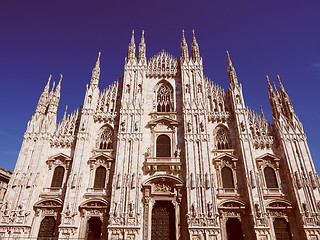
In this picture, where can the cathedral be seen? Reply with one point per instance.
(163, 153)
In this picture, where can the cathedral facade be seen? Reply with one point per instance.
(163, 153)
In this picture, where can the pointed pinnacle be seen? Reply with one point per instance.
(229, 59)
(267, 77)
(183, 38)
(280, 83)
(142, 36)
(98, 60)
(132, 37)
(193, 36)
(61, 76)
(46, 88)
(65, 113)
(262, 114)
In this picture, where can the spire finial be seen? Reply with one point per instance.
(96, 72)
(98, 60)
(65, 114)
(142, 48)
(132, 47)
(229, 59)
(262, 114)
(195, 47)
(184, 47)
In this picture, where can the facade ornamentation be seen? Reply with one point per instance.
(163, 151)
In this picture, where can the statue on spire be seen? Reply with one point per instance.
(142, 48)
(195, 47)
(96, 72)
(132, 48)
(184, 48)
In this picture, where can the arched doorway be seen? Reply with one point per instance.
(93, 229)
(47, 227)
(234, 231)
(163, 221)
(281, 229)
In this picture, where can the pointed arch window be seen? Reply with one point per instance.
(222, 138)
(227, 177)
(105, 140)
(163, 146)
(270, 177)
(100, 177)
(58, 176)
(164, 99)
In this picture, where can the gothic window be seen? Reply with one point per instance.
(105, 138)
(47, 226)
(100, 178)
(222, 138)
(227, 178)
(163, 146)
(234, 231)
(270, 177)
(281, 229)
(93, 231)
(164, 99)
(57, 178)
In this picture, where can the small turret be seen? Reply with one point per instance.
(195, 47)
(132, 48)
(142, 49)
(184, 48)
(96, 72)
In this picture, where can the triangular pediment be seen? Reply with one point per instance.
(268, 156)
(60, 156)
(103, 156)
(226, 156)
(163, 121)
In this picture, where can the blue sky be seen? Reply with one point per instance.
(39, 38)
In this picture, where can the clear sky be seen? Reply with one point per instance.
(39, 38)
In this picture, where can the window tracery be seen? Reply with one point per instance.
(222, 138)
(105, 140)
(164, 99)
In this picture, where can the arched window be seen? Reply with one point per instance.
(222, 138)
(164, 99)
(163, 146)
(47, 227)
(234, 230)
(105, 140)
(93, 231)
(227, 177)
(57, 178)
(100, 178)
(281, 229)
(270, 177)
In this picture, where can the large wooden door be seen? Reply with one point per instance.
(234, 230)
(163, 221)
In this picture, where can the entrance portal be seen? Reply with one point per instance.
(163, 221)
(94, 229)
(234, 231)
(281, 229)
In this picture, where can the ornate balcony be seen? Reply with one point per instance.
(154, 164)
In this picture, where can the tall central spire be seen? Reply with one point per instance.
(195, 47)
(184, 47)
(132, 48)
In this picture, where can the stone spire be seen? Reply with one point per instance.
(142, 48)
(44, 96)
(58, 88)
(195, 47)
(233, 80)
(132, 48)
(96, 72)
(184, 48)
